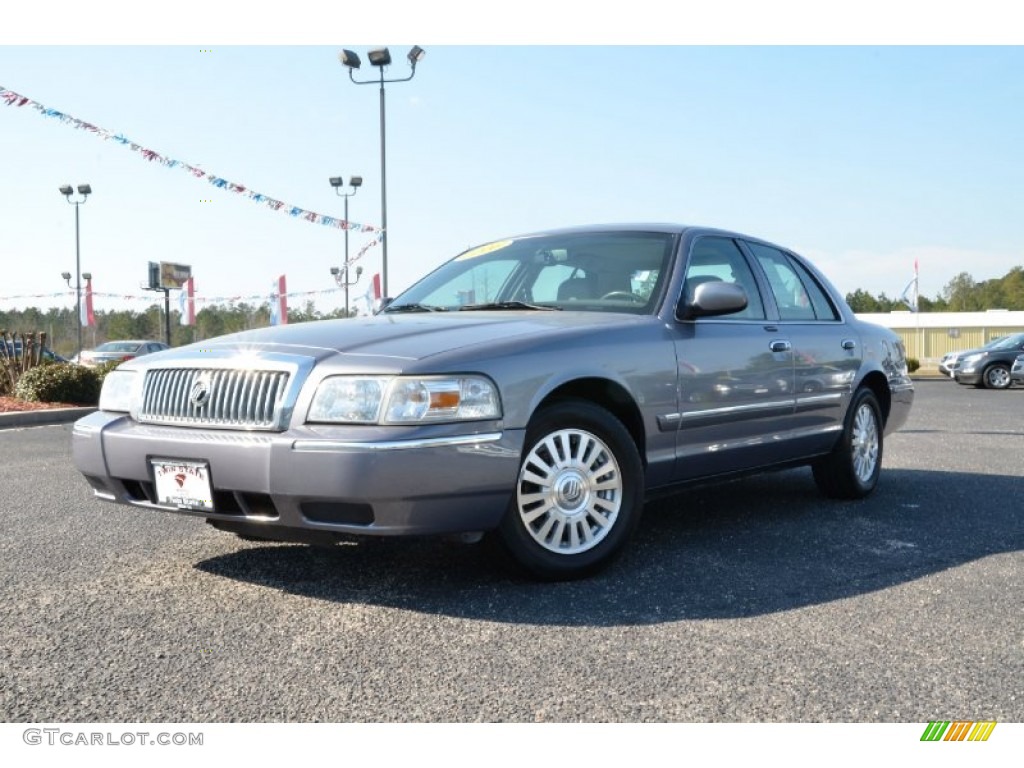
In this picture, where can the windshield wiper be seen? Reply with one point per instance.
(507, 305)
(413, 308)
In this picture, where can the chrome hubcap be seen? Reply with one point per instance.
(865, 443)
(569, 491)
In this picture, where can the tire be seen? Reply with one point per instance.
(851, 470)
(997, 376)
(578, 495)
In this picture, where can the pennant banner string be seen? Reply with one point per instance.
(12, 99)
(258, 298)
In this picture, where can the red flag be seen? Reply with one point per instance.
(279, 303)
(87, 317)
(372, 295)
(187, 303)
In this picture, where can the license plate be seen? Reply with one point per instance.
(183, 484)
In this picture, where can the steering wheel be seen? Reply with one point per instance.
(625, 295)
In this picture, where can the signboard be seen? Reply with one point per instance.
(174, 276)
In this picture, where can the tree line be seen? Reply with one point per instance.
(61, 325)
(961, 294)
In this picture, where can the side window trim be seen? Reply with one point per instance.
(802, 274)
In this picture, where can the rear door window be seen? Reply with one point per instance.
(797, 294)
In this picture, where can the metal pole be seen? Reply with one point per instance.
(346, 256)
(383, 194)
(78, 282)
(167, 316)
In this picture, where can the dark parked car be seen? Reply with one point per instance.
(989, 366)
(13, 350)
(538, 388)
(950, 360)
(119, 351)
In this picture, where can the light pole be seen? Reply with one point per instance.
(87, 276)
(381, 58)
(341, 278)
(84, 190)
(337, 182)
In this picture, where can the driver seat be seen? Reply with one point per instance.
(576, 288)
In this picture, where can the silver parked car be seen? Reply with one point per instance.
(119, 351)
(1017, 371)
(538, 388)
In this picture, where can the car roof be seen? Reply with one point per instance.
(660, 227)
(648, 227)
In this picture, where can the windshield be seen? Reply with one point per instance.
(1008, 342)
(118, 346)
(598, 272)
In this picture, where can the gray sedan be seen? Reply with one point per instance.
(119, 351)
(536, 388)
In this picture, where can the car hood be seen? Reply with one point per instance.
(397, 339)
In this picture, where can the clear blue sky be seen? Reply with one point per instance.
(863, 158)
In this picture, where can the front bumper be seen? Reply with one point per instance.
(968, 377)
(315, 479)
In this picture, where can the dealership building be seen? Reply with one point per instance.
(929, 335)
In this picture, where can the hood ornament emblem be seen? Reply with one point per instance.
(199, 394)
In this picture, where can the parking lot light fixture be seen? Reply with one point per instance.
(381, 58)
(84, 190)
(350, 59)
(341, 276)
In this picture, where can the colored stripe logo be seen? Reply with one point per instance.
(944, 730)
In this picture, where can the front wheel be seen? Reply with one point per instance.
(579, 492)
(997, 376)
(851, 470)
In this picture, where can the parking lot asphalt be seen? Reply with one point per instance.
(756, 600)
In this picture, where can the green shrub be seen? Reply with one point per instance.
(59, 383)
(913, 364)
(18, 353)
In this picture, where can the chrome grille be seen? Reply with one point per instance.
(213, 397)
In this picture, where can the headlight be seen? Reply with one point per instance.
(404, 400)
(972, 358)
(116, 394)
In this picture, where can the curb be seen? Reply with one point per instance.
(43, 417)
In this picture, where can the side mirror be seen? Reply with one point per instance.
(713, 299)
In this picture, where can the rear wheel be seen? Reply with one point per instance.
(851, 471)
(579, 493)
(997, 376)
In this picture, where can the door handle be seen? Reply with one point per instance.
(780, 346)
(849, 344)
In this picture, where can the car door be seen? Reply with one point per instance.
(827, 352)
(735, 371)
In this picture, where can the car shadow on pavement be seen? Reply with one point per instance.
(755, 546)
